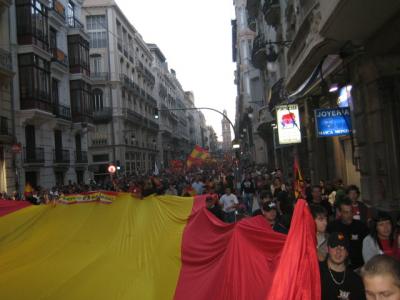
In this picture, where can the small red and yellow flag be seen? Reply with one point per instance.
(198, 156)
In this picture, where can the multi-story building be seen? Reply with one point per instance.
(7, 133)
(51, 92)
(212, 140)
(123, 92)
(189, 103)
(320, 54)
(173, 138)
(249, 78)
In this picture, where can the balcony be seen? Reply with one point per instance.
(152, 125)
(133, 116)
(100, 76)
(252, 23)
(252, 7)
(102, 115)
(75, 27)
(127, 82)
(81, 157)
(259, 54)
(272, 12)
(61, 156)
(74, 23)
(62, 112)
(59, 57)
(36, 102)
(5, 63)
(57, 10)
(33, 155)
(5, 130)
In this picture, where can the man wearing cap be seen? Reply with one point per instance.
(338, 281)
(270, 212)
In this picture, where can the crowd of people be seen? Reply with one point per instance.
(353, 240)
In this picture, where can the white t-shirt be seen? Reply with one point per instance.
(228, 201)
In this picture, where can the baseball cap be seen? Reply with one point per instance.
(338, 239)
(269, 205)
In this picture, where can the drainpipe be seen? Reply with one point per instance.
(14, 158)
(111, 97)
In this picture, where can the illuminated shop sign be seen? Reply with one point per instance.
(288, 123)
(333, 121)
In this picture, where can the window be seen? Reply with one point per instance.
(34, 73)
(100, 157)
(96, 22)
(54, 91)
(81, 103)
(78, 49)
(97, 99)
(71, 14)
(97, 39)
(97, 30)
(32, 23)
(53, 38)
(96, 63)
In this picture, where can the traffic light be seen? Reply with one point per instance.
(156, 116)
(118, 165)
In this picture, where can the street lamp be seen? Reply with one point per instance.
(156, 112)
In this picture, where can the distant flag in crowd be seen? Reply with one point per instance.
(156, 171)
(198, 156)
(298, 184)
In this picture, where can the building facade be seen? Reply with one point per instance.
(125, 132)
(7, 130)
(131, 84)
(51, 92)
(250, 82)
(328, 54)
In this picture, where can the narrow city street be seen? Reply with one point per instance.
(197, 150)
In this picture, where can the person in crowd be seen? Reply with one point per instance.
(337, 280)
(382, 239)
(247, 188)
(214, 208)
(277, 186)
(360, 210)
(285, 208)
(316, 199)
(229, 204)
(171, 190)
(354, 230)
(198, 186)
(321, 221)
(381, 277)
(270, 212)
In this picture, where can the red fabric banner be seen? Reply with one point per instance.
(240, 261)
(9, 206)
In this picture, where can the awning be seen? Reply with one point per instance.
(302, 89)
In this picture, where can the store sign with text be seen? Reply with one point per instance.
(333, 121)
(288, 123)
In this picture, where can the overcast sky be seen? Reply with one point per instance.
(196, 38)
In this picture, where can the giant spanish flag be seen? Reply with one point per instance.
(114, 246)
